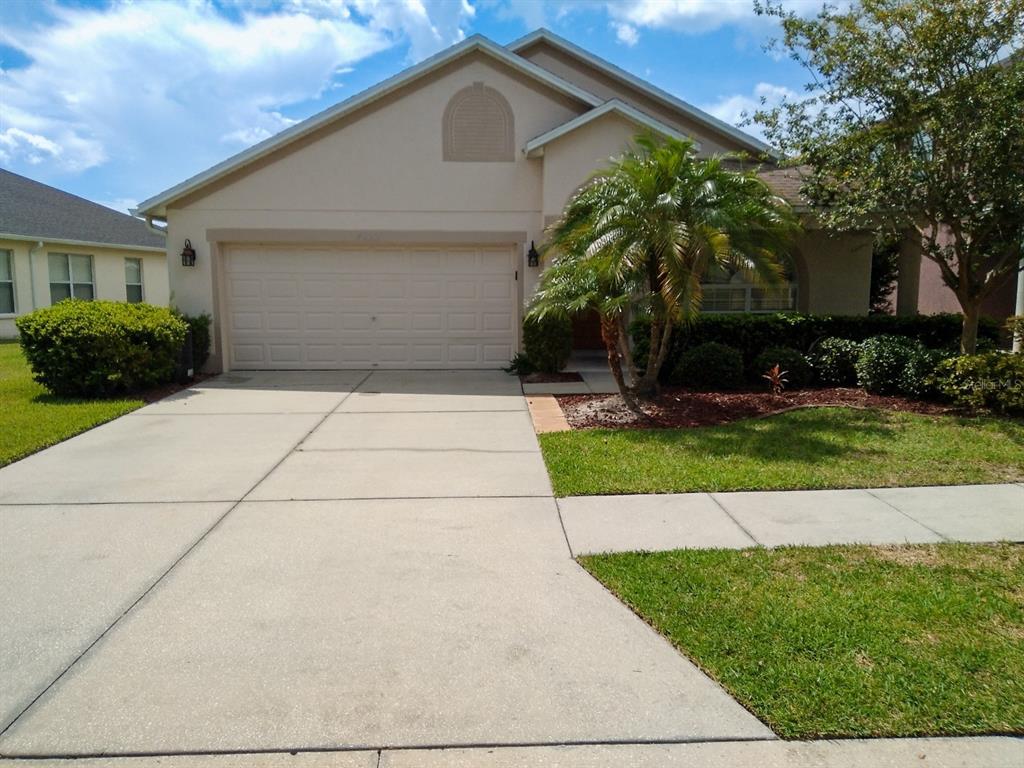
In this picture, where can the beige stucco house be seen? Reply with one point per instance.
(54, 245)
(393, 229)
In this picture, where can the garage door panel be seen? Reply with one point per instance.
(321, 321)
(383, 307)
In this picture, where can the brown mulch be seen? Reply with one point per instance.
(550, 378)
(678, 407)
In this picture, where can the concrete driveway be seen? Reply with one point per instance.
(321, 560)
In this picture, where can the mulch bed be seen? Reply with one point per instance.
(550, 378)
(166, 390)
(678, 407)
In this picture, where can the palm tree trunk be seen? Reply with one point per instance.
(610, 335)
(627, 353)
(661, 335)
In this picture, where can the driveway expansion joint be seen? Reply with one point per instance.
(384, 748)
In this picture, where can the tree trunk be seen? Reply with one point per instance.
(610, 336)
(969, 332)
(661, 335)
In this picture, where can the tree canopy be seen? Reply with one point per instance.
(913, 123)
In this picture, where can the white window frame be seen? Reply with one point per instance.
(14, 290)
(71, 282)
(141, 283)
(752, 294)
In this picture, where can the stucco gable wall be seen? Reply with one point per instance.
(581, 74)
(389, 156)
(571, 159)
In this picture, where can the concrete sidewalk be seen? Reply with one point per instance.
(777, 518)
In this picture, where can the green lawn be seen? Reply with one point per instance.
(812, 448)
(845, 641)
(31, 418)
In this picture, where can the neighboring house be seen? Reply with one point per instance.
(393, 229)
(54, 245)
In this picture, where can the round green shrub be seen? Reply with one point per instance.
(993, 381)
(89, 348)
(886, 363)
(547, 342)
(798, 369)
(835, 362)
(918, 374)
(709, 366)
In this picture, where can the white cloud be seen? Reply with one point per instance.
(697, 16)
(120, 204)
(626, 34)
(735, 108)
(428, 25)
(155, 91)
(692, 16)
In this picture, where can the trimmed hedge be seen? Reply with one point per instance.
(547, 342)
(798, 370)
(752, 334)
(993, 381)
(90, 348)
(709, 366)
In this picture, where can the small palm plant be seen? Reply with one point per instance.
(647, 229)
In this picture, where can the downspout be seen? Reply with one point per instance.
(32, 272)
(154, 229)
(1018, 337)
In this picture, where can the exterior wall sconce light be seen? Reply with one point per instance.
(532, 257)
(188, 255)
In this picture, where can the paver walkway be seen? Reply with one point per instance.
(309, 561)
(776, 518)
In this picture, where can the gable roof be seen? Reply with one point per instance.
(621, 75)
(30, 210)
(535, 147)
(156, 204)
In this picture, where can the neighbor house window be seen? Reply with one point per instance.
(71, 277)
(133, 280)
(728, 290)
(6, 283)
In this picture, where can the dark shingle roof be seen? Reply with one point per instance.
(785, 182)
(31, 209)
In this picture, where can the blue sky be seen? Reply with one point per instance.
(116, 100)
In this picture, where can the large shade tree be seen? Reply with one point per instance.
(913, 125)
(638, 238)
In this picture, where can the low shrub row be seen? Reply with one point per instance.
(884, 365)
(752, 334)
(97, 348)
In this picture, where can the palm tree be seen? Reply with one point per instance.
(657, 219)
(577, 282)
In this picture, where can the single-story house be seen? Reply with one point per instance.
(394, 229)
(54, 245)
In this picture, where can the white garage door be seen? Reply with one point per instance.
(422, 307)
